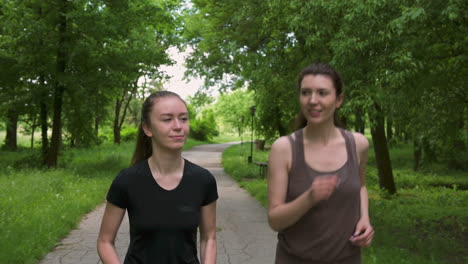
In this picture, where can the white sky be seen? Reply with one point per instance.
(184, 88)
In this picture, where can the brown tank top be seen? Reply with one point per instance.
(322, 234)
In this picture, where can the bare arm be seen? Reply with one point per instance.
(110, 224)
(208, 234)
(282, 215)
(364, 232)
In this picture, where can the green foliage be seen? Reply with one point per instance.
(62, 198)
(202, 129)
(235, 162)
(104, 48)
(48, 203)
(233, 109)
(421, 88)
(202, 122)
(128, 133)
(421, 225)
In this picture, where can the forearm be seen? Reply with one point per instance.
(286, 215)
(107, 253)
(364, 203)
(208, 251)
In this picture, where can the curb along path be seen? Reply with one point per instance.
(243, 234)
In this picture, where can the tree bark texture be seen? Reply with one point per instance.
(389, 128)
(118, 103)
(11, 140)
(417, 151)
(125, 99)
(359, 123)
(44, 128)
(382, 155)
(52, 154)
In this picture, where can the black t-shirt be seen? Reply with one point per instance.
(163, 224)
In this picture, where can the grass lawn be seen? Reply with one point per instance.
(38, 207)
(426, 222)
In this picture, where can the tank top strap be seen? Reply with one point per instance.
(297, 148)
(350, 147)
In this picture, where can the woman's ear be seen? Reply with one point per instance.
(339, 100)
(146, 130)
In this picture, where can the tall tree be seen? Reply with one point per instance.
(71, 52)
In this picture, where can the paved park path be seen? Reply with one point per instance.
(243, 236)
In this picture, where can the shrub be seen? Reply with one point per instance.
(128, 133)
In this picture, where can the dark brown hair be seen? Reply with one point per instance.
(143, 147)
(322, 69)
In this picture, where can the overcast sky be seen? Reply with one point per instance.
(184, 88)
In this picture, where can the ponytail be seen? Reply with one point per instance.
(143, 148)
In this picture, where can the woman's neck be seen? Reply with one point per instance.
(166, 163)
(322, 134)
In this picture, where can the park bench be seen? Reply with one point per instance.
(262, 168)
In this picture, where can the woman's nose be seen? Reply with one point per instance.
(313, 98)
(177, 124)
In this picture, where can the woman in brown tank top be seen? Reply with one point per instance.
(317, 195)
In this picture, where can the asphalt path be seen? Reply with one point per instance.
(243, 234)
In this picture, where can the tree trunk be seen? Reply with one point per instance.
(44, 129)
(52, 154)
(282, 130)
(96, 126)
(11, 140)
(116, 121)
(416, 154)
(360, 123)
(389, 129)
(126, 98)
(382, 155)
(33, 130)
(429, 153)
(455, 161)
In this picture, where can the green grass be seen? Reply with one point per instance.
(424, 223)
(225, 138)
(38, 207)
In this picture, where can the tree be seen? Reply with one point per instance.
(71, 52)
(233, 108)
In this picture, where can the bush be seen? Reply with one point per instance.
(128, 133)
(202, 130)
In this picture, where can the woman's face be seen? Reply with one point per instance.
(318, 98)
(169, 123)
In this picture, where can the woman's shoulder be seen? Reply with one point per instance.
(283, 143)
(198, 170)
(127, 174)
(362, 143)
(194, 167)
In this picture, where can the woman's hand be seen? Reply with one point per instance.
(323, 187)
(363, 234)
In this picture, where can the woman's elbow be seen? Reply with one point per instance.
(274, 224)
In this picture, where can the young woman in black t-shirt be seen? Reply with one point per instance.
(167, 197)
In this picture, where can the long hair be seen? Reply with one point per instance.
(143, 147)
(322, 69)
